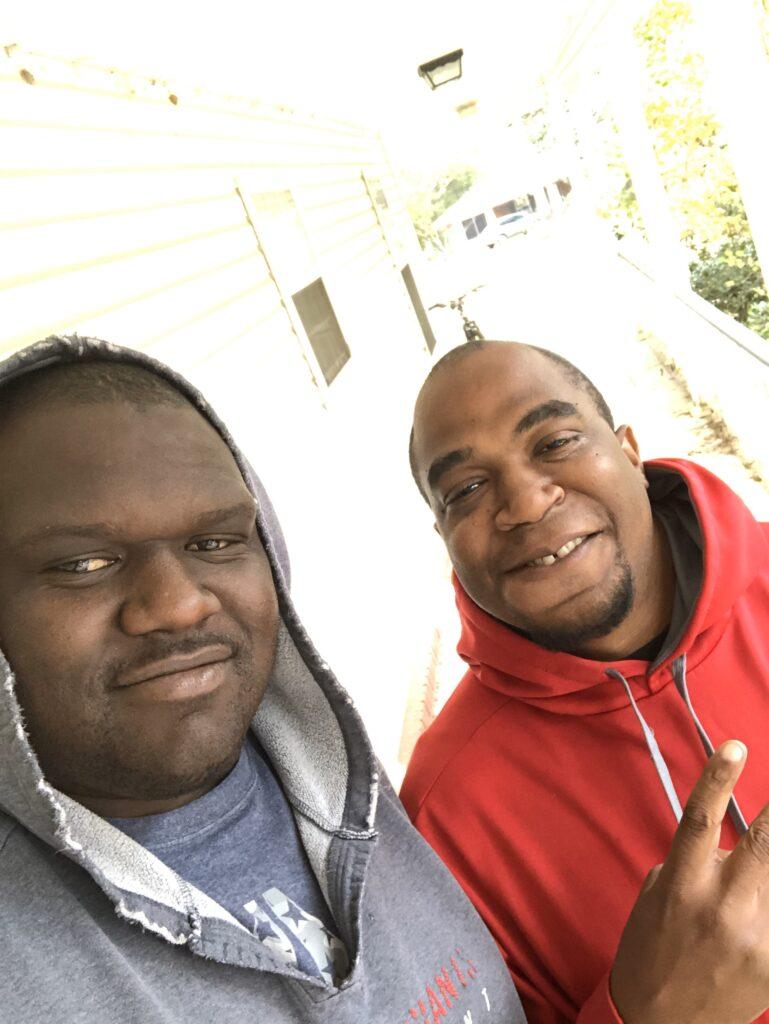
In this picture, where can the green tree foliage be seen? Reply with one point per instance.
(427, 200)
(696, 170)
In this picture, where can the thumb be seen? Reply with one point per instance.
(651, 878)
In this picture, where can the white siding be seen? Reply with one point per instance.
(120, 216)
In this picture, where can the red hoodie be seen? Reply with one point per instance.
(535, 783)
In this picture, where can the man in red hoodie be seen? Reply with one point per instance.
(615, 623)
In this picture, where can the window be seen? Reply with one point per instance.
(523, 203)
(475, 225)
(322, 327)
(505, 209)
(283, 238)
(419, 309)
(376, 191)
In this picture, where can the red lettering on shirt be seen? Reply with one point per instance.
(435, 1002)
(446, 986)
(458, 971)
(472, 970)
(439, 1010)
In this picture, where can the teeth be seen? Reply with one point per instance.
(562, 552)
(569, 546)
(546, 560)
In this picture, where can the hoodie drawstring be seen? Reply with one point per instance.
(679, 678)
(678, 669)
(659, 761)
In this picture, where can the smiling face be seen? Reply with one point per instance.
(137, 607)
(542, 506)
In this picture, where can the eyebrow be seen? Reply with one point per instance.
(201, 522)
(446, 462)
(552, 409)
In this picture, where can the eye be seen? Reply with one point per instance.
(208, 544)
(85, 566)
(461, 492)
(557, 444)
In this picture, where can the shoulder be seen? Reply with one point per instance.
(450, 741)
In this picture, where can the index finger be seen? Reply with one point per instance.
(698, 832)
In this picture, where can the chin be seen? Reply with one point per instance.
(166, 780)
(592, 621)
(201, 777)
(201, 759)
(193, 752)
(190, 759)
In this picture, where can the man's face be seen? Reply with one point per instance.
(137, 607)
(519, 466)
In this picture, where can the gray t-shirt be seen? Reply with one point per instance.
(240, 845)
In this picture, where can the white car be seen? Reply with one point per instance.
(517, 223)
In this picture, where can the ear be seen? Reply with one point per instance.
(630, 449)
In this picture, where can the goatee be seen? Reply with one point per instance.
(571, 637)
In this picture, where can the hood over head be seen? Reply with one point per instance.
(306, 724)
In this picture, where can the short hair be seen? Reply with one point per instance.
(572, 373)
(87, 382)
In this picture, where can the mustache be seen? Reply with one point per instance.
(159, 648)
(607, 518)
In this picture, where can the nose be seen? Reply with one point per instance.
(525, 497)
(165, 597)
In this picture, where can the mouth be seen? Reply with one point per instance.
(182, 675)
(569, 551)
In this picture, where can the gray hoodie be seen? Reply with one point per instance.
(95, 928)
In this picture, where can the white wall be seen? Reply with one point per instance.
(119, 217)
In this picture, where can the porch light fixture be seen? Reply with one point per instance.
(443, 69)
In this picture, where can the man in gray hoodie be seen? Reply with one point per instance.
(192, 822)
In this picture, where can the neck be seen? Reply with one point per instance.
(652, 607)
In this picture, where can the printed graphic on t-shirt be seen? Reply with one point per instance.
(453, 994)
(297, 936)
